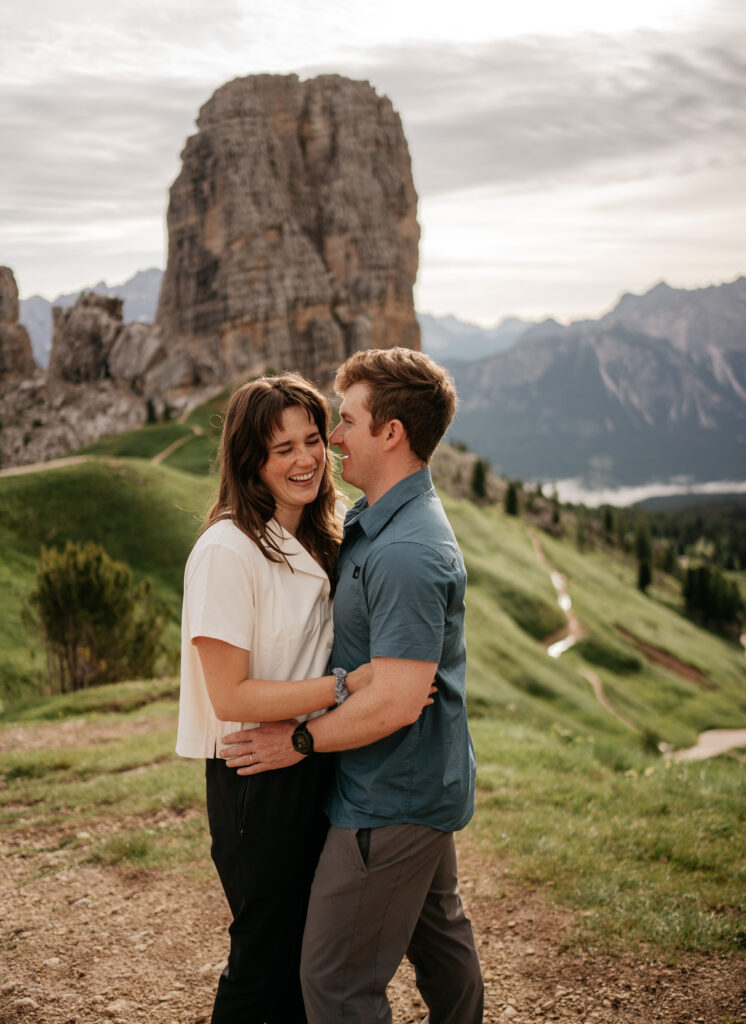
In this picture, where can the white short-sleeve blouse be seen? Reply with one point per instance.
(281, 613)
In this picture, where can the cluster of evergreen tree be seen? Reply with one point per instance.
(715, 532)
(666, 540)
(711, 538)
(711, 597)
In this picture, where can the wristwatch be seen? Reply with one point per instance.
(302, 739)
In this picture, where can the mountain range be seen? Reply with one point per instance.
(445, 338)
(653, 391)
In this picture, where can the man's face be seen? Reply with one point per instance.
(361, 450)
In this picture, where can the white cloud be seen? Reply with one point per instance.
(554, 170)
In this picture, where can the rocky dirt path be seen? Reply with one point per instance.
(83, 943)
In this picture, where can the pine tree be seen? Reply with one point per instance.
(97, 626)
(479, 479)
(511, 499)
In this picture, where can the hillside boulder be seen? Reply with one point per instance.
(136, 351)
(82, 338)
(293, 235)
(16, 355)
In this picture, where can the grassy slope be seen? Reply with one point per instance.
(567, 795)
(199, 432)
(646, 850)
(145, 515)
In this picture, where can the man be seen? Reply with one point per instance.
(386, 885)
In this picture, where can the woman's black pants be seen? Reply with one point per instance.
(267, 833)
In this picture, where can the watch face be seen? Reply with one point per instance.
(302, 740)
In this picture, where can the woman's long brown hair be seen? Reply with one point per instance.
(254, 414)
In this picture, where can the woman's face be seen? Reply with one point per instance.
(295, 465)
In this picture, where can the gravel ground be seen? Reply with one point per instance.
(84, 943)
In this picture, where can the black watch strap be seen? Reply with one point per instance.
(302, 739)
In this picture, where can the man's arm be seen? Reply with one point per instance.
(394, 699)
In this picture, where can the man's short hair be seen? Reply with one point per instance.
(406, 386)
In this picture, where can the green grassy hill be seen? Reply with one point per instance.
(569, 795)
(147, 516)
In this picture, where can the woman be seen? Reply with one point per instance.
(256, 637)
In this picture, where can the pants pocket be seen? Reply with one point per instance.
(363, 843)
(243, 803)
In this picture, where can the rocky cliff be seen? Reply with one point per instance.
(16, 356)
(293, 237)
(98, 371)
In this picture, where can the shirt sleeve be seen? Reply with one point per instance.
(406, 588)
(219, 596)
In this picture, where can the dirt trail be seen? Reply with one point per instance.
(197, 431)
(83, 943)
(33, 467)
(709, 744)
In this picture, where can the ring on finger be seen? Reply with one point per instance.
(251, 759)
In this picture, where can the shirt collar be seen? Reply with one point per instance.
(373, 518)
(298, 558)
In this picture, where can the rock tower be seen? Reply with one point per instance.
(293, 235)
(16, 355)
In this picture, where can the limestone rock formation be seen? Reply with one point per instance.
(293, 236)
(83, 336)
(100, 374)
(16, 356)
(91, 343)
(135, 352)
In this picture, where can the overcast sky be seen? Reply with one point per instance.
(563, 153)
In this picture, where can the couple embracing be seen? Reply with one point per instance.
(323, 682)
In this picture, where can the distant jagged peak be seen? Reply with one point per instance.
(663, 293)
(694, 320)
(549, 328)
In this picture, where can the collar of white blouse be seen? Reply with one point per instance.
(298, 558)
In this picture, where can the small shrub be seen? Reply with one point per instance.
(135, 848)
(97, 626)
(599, 651)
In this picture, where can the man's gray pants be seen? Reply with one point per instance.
(380, 894)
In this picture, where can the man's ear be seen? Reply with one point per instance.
(393, 434)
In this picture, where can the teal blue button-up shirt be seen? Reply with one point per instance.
(400, 594)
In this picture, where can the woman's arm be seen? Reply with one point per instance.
(236, 697)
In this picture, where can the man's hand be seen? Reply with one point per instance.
(252, 751)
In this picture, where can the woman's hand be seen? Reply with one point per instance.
(263, 749)
(359, 677)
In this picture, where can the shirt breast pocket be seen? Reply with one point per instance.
(350, 603)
